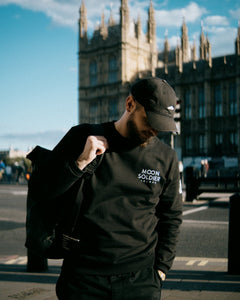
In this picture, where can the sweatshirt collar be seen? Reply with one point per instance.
(117, 142)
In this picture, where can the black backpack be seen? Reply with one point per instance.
(50, 225)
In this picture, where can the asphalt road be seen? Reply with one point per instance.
(204, 232)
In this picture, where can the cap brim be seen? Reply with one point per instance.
(161, 122)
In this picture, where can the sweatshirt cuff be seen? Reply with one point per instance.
(75, 169)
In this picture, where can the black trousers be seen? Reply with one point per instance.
(142, 285)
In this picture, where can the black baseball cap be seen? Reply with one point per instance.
(159, 101)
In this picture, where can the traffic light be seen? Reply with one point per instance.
(177, 115)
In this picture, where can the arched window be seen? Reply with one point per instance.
(112, 69)
(218, 143)
(202, 144)
(93, 73)
(188, 144)
(218, 101)
(112, 110)
(232, 99)
(187, 104)
(201, 103)
(93, 116)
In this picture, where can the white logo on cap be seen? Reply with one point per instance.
(170, 107)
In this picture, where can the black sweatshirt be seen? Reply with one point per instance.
(132, 204)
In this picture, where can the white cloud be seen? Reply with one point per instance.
(222, 40)
(66, 13)
(216, 20)
(235, 13)
(61, 12)
(192, 13)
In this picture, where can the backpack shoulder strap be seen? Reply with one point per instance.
(95, 129)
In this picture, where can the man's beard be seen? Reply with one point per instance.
(137, 137)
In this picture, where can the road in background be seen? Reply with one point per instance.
(204, 232)
(199, 270)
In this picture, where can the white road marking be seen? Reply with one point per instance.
(187, 261)
(21, 260)
(12, 220)
(194, 210)
(203, 263)
(18, 193)
(200, 261)
(13, 192)
(206, 222)
(210, 259)
(191, 262)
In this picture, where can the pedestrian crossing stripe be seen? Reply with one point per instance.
(188, 261)
(193, 261)
(200, 261)
(21, 260)
(210, 259)
(203, 263)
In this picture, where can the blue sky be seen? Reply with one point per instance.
(38, 56)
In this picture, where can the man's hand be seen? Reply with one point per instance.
(162, 275)
(95, 145)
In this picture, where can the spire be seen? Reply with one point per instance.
(237, 42)
(103, 27)
(151, 32)
(166, 47)
(202, 43)
(151, 9)
(178, 57)
(184, 28)
(151, 38)
(184, 39)
(194, 55)
(208, 53)
(111, 19)
(83, 20)
(139, 26)
(194, 52)
(124, 14)
(103, 20)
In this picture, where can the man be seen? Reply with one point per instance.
(131, 213)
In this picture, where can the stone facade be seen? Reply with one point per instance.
(115, 56)
(208, 88)
(209, 106)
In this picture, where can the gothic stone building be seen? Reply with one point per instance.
(110, 60)
(208, 88)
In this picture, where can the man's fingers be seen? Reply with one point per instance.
(95, 145)
(103, 140)
(100, 144)
(101, 148)
(100, 151)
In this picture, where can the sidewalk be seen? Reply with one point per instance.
(201, 279)
(189, 279)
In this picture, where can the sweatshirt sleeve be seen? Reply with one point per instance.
(169, 212)
(59, 171)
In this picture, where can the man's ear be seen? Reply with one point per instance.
(130, 104)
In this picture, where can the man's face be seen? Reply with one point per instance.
(139, 129)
